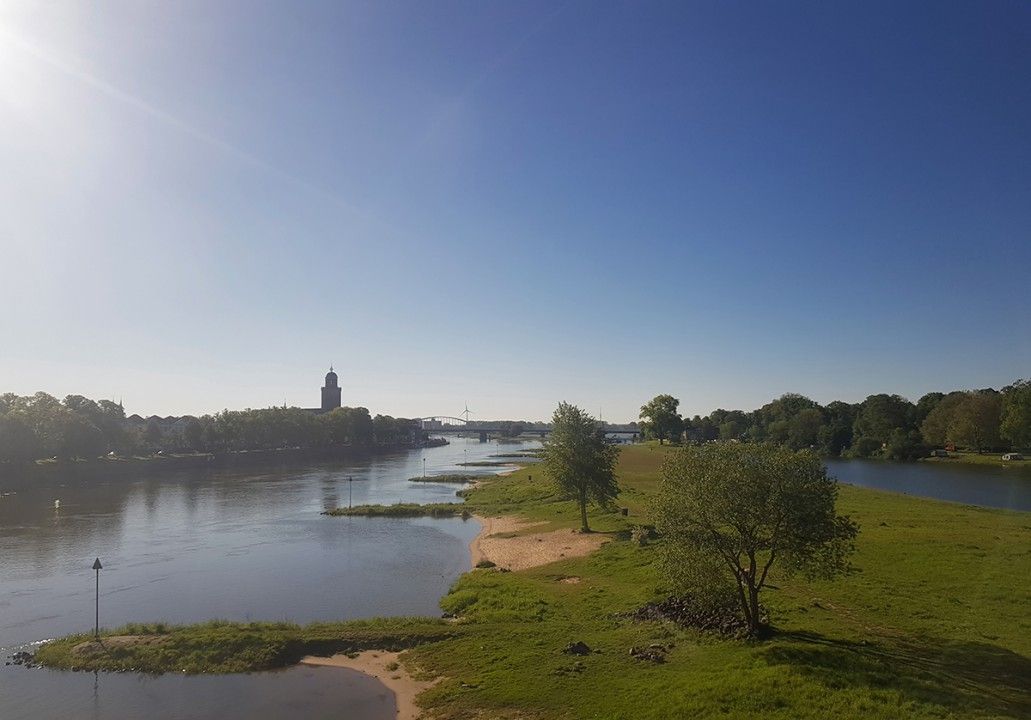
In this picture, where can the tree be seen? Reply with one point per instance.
(880, 415)
(511, 429)
(80, 438)
(661, 419)
(804, 428)
(193, 434)
(1016, 414)
(905, 446)
(17, 441)
(742, 508)
(925, 405)
(579, 460)
(836, 435)
(975, 422)
(935, 427)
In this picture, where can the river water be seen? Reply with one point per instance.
(998, 487)
(235, 544)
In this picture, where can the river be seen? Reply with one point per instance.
(990, 486)
(251, 545)
(235, 544)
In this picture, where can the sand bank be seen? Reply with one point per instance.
(374, 663)
(497, 543)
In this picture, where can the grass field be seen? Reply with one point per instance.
(934, 623)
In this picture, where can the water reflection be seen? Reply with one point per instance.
(309, 692)
(998, 487)
(238, 544)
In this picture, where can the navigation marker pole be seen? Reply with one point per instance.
(349, 481)
(96, 628)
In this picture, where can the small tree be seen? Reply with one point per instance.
(661, 419)
(735, 510)
(579, 460)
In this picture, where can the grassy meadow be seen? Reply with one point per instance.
(934, 623)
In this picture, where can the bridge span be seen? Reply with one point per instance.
(448, 424)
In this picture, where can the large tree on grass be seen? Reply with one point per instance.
(579, 460)
(740, 509)
(661, 419)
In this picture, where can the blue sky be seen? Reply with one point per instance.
(513, 204)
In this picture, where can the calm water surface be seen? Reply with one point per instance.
(311, 693)
(998, 487)
(235, 544)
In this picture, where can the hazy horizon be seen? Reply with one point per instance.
(510, 205)
(685, 409)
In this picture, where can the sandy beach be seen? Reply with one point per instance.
(374, 663)
(498, 543)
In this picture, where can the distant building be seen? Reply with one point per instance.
(330, 392)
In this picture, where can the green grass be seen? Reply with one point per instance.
(225, 647)
(970, 458)
(455, 478)
(403, 510)
(934, 623)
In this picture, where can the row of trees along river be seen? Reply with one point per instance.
(886, 426)
(41, 426)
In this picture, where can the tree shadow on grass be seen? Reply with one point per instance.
(953, 674)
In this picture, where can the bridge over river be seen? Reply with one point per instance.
(447, 424)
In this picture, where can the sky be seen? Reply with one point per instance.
(506, 205)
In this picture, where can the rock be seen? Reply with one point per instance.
(726, 621)
(577, 648)
(655, 656)
(26, 659)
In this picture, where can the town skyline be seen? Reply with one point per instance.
(687, 409)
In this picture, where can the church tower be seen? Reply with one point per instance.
(330, 392)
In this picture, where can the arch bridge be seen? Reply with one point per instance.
(449, 424)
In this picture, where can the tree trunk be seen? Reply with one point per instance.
(754, 620)
(745, 607)
(583, 512)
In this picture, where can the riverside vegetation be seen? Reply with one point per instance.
(882, 426)
(933, 623)
(40, 426)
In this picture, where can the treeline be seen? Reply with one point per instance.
(41, 426)
(888, 426)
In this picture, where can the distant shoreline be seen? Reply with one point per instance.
(155, 464)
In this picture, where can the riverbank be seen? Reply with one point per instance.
(968, 458)
(934, 623)
(388, 669)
